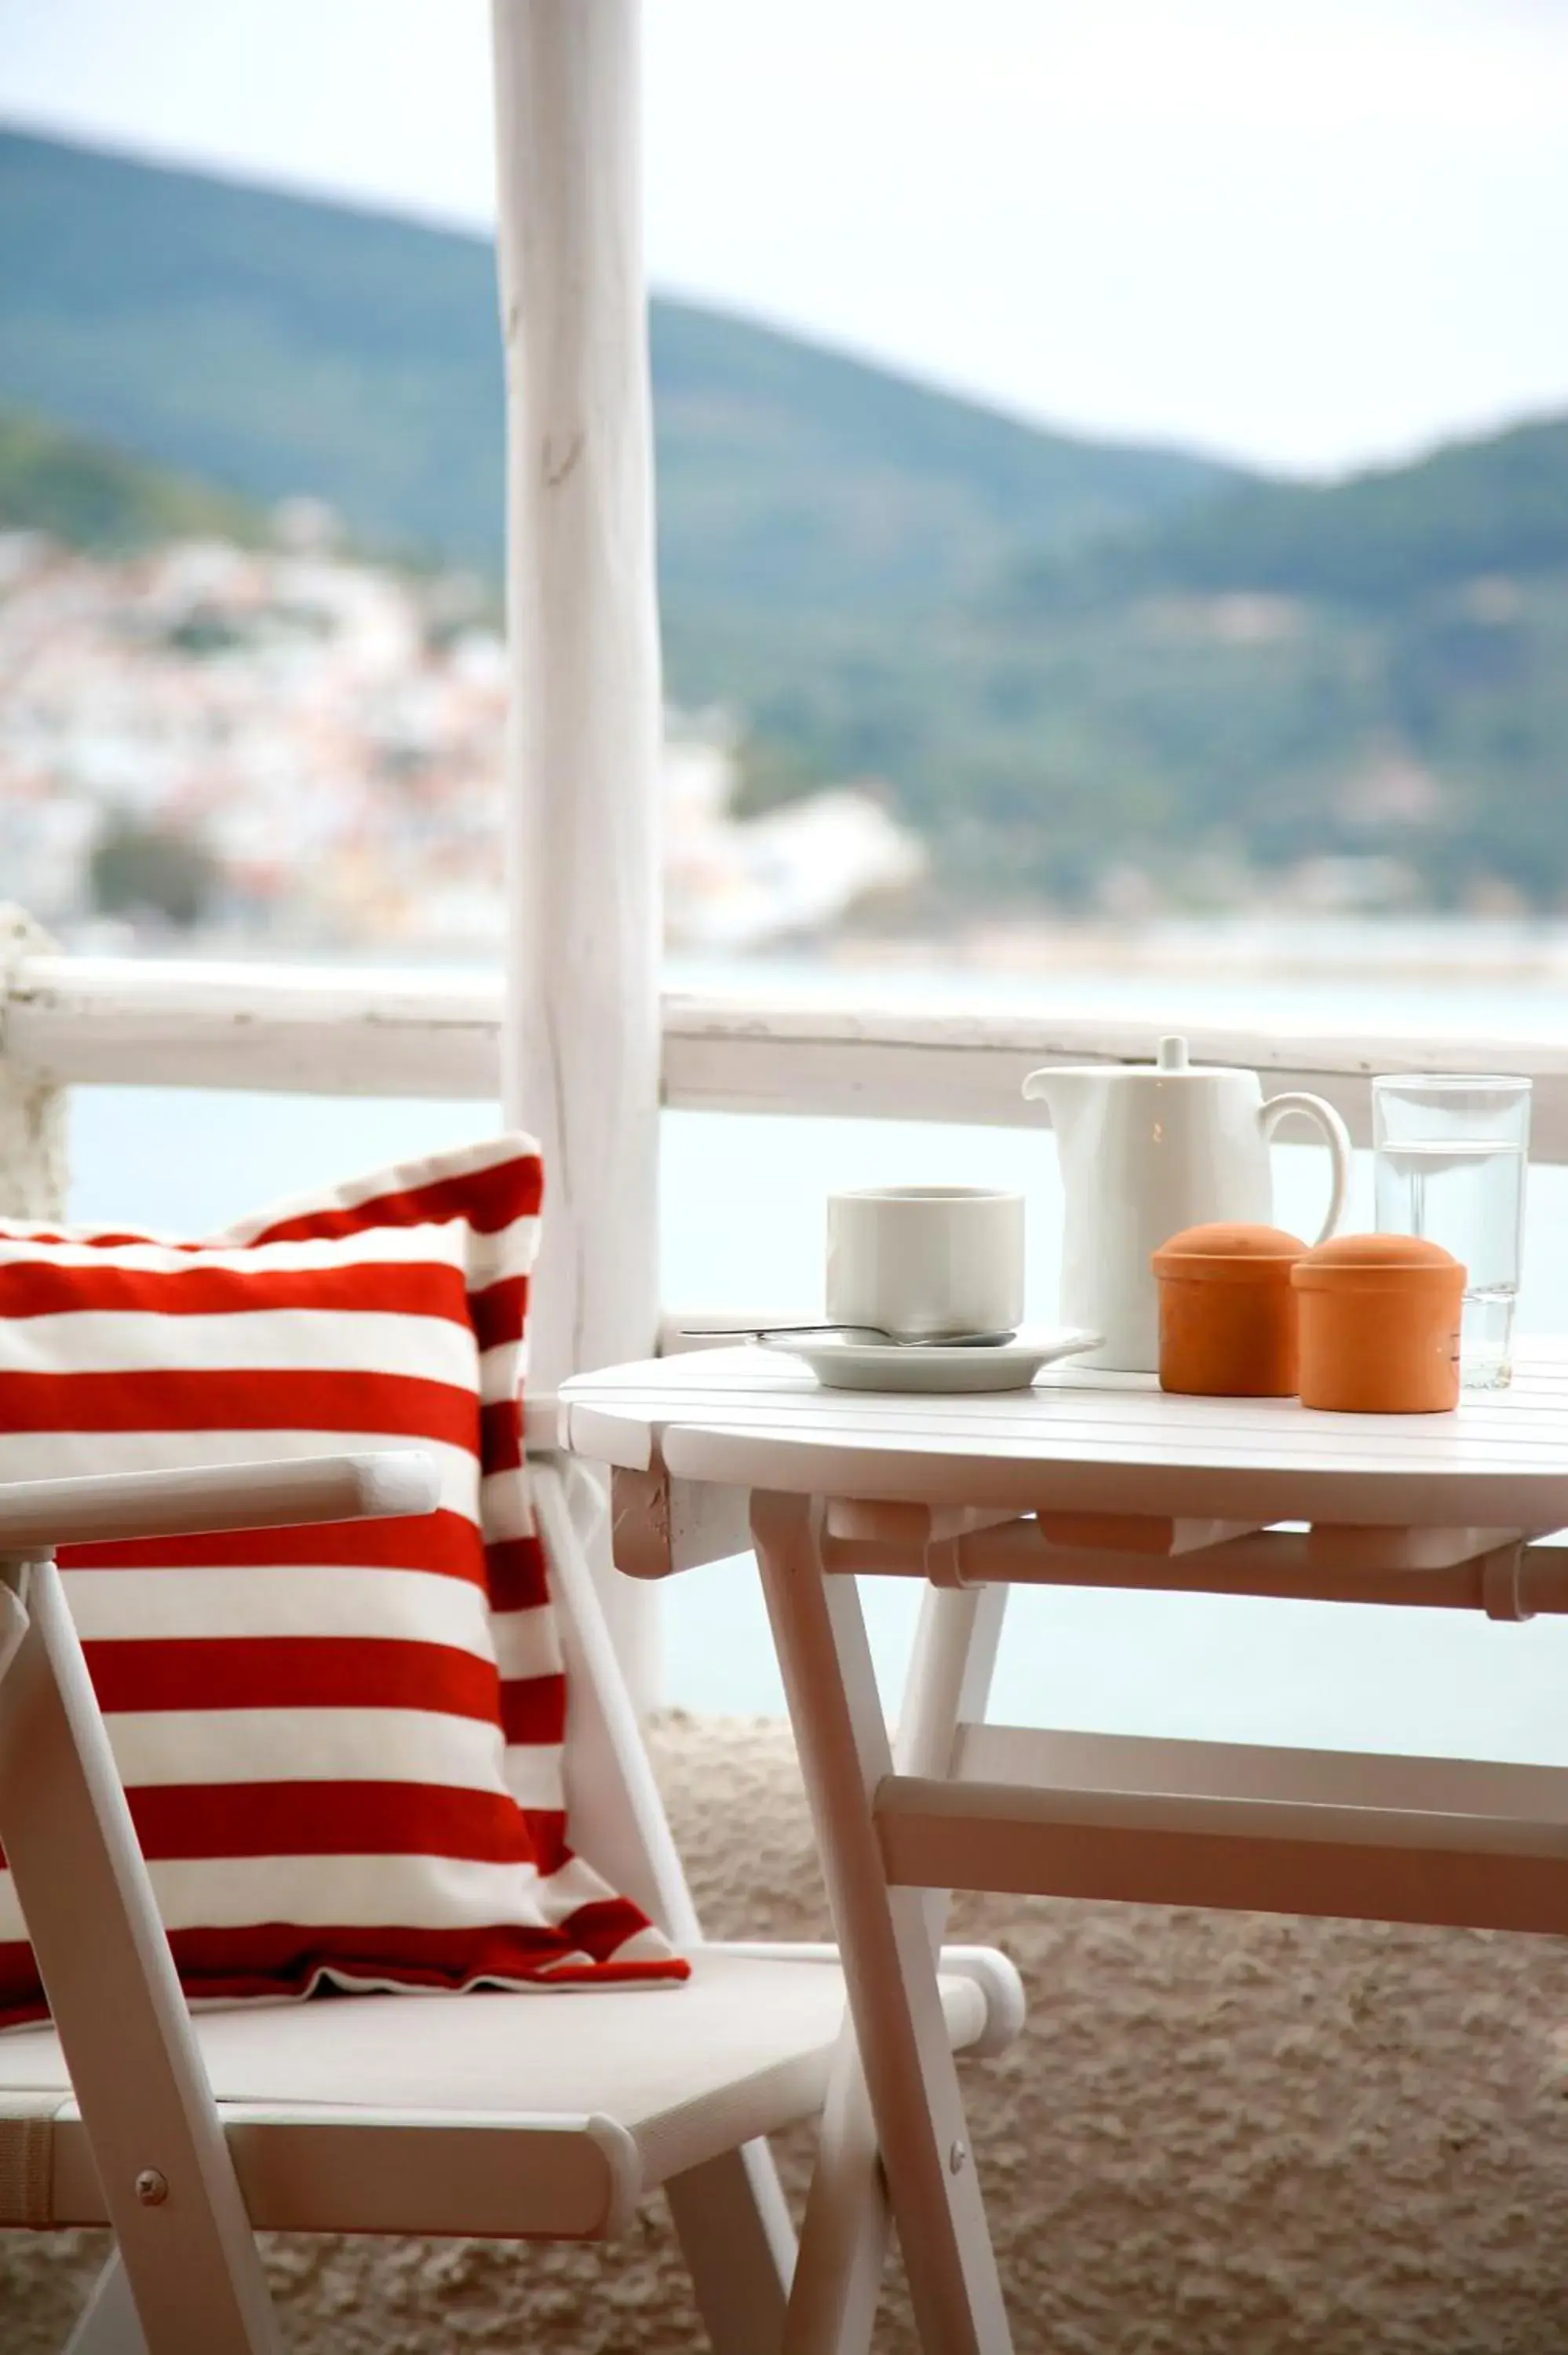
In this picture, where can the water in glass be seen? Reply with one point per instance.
(1467, 1194)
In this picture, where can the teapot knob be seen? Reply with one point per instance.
(1172, 1055)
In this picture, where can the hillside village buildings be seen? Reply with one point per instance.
(327, 737)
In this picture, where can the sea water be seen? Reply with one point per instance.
(1467, 1194)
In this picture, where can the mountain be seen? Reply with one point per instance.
(272, 344)
(1088, 675)
(1495, 506)
(1371, 670)
(93, 496)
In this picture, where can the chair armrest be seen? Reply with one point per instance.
(992, 1972)
(36, 1515)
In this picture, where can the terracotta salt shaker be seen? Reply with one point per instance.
(1380, 1325)
(1228, 1313)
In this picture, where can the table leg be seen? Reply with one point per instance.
(844, 2235)
(885, 1937)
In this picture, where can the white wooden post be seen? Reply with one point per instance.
(32, 1109)
(581, 1044)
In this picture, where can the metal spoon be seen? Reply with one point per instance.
(868, 1332)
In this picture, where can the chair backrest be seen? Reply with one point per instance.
(614, 1812)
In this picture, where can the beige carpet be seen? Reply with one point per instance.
(1219, 2136)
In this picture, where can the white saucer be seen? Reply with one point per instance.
(840, 1364)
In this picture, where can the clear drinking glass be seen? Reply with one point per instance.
(1449, 1155)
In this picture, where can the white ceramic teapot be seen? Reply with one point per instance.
(1147, 1149)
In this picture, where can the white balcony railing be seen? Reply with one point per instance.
(347, 1033)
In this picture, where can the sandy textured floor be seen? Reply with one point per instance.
(1218, 2136)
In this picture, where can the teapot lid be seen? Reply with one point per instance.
(1173, 1059)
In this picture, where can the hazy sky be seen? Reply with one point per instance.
(1309, 232)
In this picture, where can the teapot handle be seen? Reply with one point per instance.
(1336, 1136)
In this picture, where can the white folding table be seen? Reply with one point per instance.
(1089, 1479)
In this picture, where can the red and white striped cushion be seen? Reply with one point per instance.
(342, 1746)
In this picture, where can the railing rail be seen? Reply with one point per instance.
(337, 1031)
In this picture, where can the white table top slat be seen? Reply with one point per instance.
(1083, 1441)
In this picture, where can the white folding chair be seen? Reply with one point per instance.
(533, 2116)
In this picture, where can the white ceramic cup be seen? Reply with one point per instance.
(920, 1261)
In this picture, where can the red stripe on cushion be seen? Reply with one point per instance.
(445, 1543)
(533, 1709)
(46, 1288)
(154, 1673)
(500, 1312)
(110, 1239)
(486, 1200)
(600, 1928)
(547, 1831)
(227, 1819)
(500, 1435)
(227, 1966)
(304, 1398)
(435, 1957)
(519, 1578)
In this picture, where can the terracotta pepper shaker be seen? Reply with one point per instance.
(1380, 1325)
(1228, 1313)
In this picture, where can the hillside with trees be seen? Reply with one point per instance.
(275, 346)
(91, 495)
(1089, 676)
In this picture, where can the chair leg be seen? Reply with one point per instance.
(884, 1937)
(169, 2185)
(739, 2244)
(108, 2324)
(848, 2225)
(734, 2227)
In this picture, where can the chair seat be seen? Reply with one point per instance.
(544, 2115)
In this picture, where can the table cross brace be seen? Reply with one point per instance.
(887, 1935)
